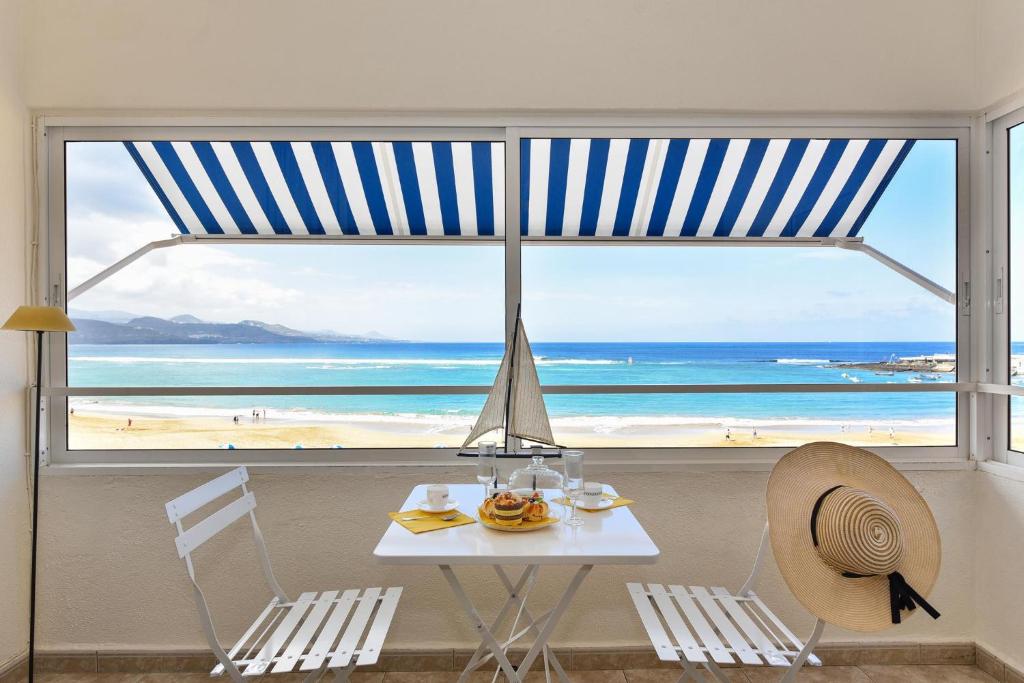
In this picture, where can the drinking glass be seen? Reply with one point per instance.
(572, 485)
(487, 465)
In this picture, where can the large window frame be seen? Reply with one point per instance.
(1003, 272)
(511, 130)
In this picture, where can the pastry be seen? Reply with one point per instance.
(536, 509)
(508, 509)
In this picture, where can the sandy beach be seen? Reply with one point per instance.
(92, 431)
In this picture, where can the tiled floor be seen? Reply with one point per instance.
(831, 674)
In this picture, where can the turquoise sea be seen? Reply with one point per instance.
(396, 363)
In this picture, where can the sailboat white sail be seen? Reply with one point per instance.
(515, 401)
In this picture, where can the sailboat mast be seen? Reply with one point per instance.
(511, 375)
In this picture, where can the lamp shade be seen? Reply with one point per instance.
(39, 319)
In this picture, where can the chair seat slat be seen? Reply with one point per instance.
(714, 645)
(754, 634)
(725, 627)
(795, 643)
(370, 651)
(290, 657)
(350, 640)
(190, 539)
(325, 641)
(219, 669)
(187, 503)
(691, 649)
(280, 635)
(655, 630)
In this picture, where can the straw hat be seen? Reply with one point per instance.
(854, 540)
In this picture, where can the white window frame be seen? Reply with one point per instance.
(999, 131)
(56, 130)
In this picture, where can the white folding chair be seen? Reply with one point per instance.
(302, 634)
(701, 627)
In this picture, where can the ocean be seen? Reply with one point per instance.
(397, 363)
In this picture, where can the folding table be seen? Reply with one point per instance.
(606, 537)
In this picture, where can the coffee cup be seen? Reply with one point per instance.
(593, 493)
(437, 496)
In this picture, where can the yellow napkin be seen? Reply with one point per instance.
(619, 502)
(427, 521)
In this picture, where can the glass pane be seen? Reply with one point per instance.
(761, 314)
(271, 314)
(286, 422)
(702, 420)
(1016, 209)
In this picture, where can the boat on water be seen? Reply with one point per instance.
(515, 404)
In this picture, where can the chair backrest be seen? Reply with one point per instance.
(190, 539)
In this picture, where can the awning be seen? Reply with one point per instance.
(637, 187)
(328, 188)
(643, 187)
(798, 191)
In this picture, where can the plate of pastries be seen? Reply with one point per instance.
(519, 510)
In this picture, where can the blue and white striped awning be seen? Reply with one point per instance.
(644, 187)
(325, 188)
(637, 187)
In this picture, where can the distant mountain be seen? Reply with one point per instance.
(186, 318)
(188, 329)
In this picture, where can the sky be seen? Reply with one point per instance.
(1016, 208)
(455, 293)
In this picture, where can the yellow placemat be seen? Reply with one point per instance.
(619, 501)
(426, 521)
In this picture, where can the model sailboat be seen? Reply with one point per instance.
(515, 403)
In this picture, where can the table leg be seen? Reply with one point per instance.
(542, 628)
(488, 637)
(549, 655)
(514, 591)
(552, 621)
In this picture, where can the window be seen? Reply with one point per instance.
(263, 314)
(745, 313)
(349, 295)
(1015, 207)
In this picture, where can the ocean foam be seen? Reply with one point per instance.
(802, 361)
(325, 363)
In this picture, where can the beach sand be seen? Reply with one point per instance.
(94, 431)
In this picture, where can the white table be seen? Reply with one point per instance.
(607, 537)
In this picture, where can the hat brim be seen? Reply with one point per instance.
(796, 483)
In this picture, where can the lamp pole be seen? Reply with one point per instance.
(35, 507)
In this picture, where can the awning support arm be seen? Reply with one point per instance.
(123, 263)
(853, 244)
(912, 275)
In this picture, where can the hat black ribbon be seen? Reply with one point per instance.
(901, 595)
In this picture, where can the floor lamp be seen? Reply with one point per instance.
(38, 319)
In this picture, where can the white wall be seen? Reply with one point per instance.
(1000, 49)
(998, 518)
(13, 500)
(112, 579)
(708, 55)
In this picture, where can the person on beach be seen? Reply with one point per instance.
(728, 434)
(235, 419)
(755, 433)
(129, 422)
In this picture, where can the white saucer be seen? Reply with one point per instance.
(605, 503)
(423, 506)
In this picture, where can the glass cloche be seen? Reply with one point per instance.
(536, 475)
